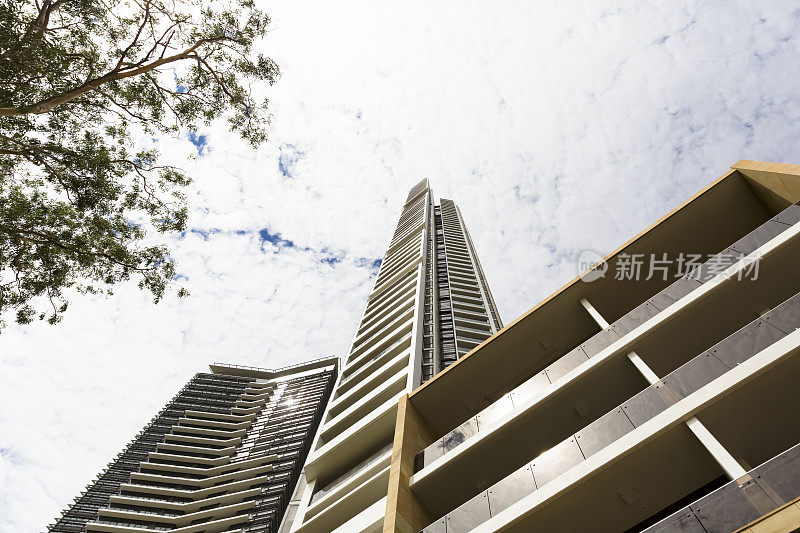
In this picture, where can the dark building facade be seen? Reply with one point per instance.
(225, 454)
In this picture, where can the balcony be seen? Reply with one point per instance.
(364, 364)
(699, 325)
(736, 504)
(356, 489)
(704, 225)
(770, 393)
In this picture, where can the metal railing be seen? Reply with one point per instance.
(500, 409)
(337, 359)
(678, 384)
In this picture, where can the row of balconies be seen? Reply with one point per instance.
(371, 363)
(621, 327)
(344, 479)
(340, 422)
(639, 409)
(409, 217)
(359, 416)
(379, 338)
(400, 248)
(468, 297)
(416, 190)
(398, 256)
(400, 312)
(645, 329)
(409, 211)
(381, 303)
(470, 290)
(388, 346)
(403, 294)
(357, 489)
(470, 316)
(400, 271)
(390, 285)
(374, 379)
(383, 354)
(196, 468)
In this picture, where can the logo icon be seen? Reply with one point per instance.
(591, 266)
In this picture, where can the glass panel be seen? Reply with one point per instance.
(470, 515)
(732, 506)
(460, 434)
(684, 521)
(603, 431)
(688, 378)
(674, 292)
(566, 363)
(780, 476)
(790, 215)
(555, 461)
(601, 340)
(510, 490)
(430, 454)
(786, 316)
(437, 527)
(495, 413)
(728, 509)
(765, 232)
(746, 342)
(635, 318)
(530, 389)
(647, 404)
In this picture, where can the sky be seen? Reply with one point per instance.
(557, 127)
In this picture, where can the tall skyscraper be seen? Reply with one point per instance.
(225, 454)
(430, 306)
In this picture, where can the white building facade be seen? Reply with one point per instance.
(430, 305)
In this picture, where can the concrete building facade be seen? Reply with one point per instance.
(224, 455)
(657, 396)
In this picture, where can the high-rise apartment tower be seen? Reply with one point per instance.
(224, 455)
(429, 307)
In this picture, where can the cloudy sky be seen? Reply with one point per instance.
(556, 126)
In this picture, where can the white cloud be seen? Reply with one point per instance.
(555, 126)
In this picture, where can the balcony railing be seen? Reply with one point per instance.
(341, 480)
(282, 369)
(348, 379)
(499, 410)
(771, 485)
(680, 383)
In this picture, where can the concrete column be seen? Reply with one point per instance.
(404, 512)
(722, 456)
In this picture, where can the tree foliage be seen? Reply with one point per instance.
(82, 83)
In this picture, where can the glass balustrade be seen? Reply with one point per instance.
(620, 421)
(499, 411)
(341, 480)
(734, 505)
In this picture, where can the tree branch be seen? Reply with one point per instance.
(115, 75)
(47, 239)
